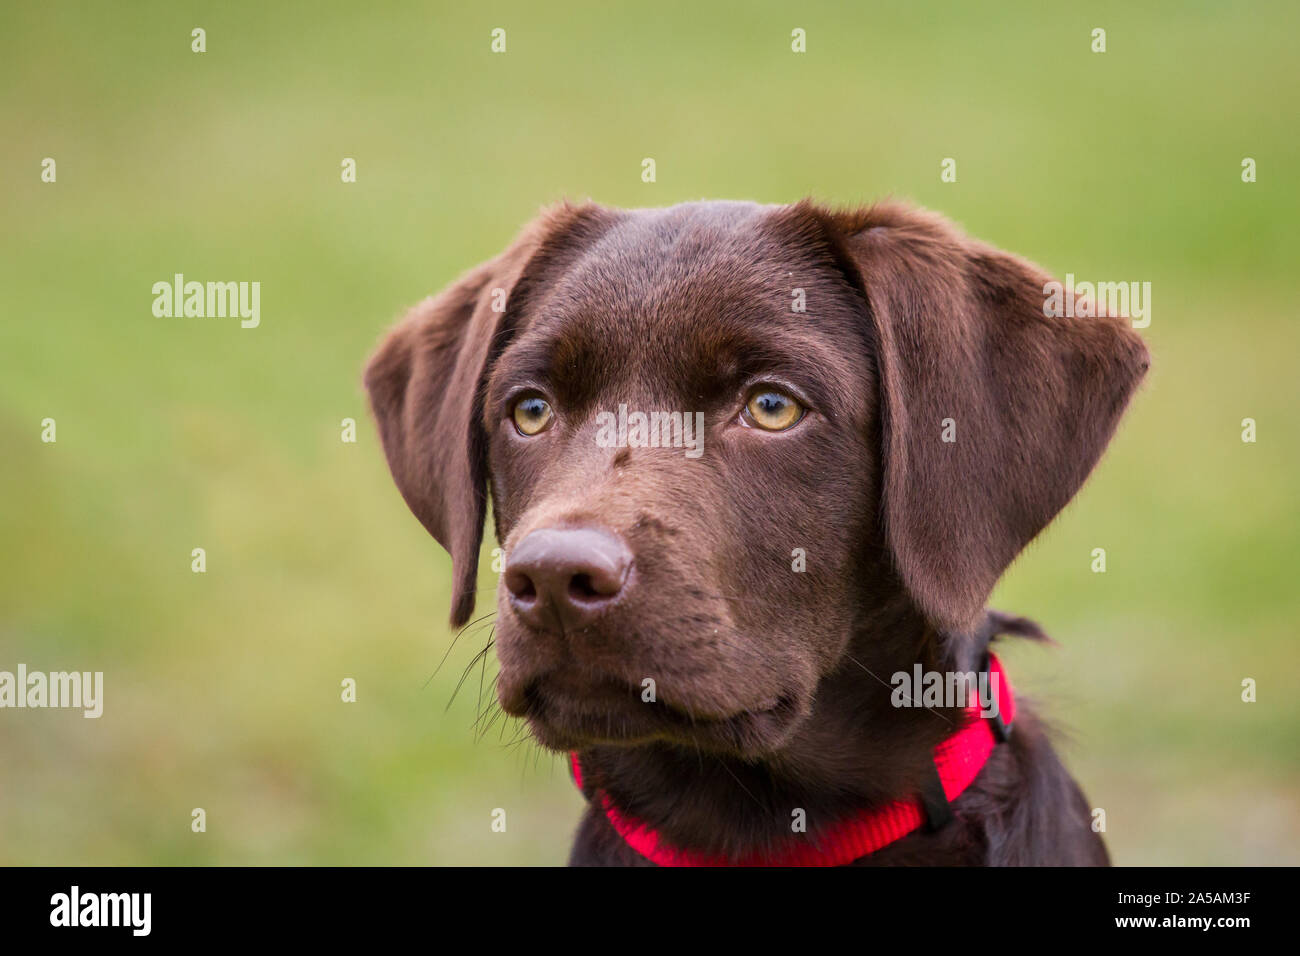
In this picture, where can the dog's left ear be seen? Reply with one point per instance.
(992, 413)
(426, 386)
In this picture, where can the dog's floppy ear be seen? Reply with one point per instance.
(425, 385)
(966, 353)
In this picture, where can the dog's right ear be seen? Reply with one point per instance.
(425, 385)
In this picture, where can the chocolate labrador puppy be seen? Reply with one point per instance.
(750, 464)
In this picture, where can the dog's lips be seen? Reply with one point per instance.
(566, 712)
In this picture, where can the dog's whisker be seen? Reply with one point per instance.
(911, 700)
(450, 646)
(482, 672)
(468, 669)
(723, 765)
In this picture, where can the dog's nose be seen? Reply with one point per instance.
(560, 579)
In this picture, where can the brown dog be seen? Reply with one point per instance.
(850, 423)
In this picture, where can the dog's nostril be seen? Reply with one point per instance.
(587, 587)
(597, 583)
(521, 586)
(581, 588)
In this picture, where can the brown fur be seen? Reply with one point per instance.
(773, 686)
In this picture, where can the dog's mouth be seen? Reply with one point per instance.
(567, 714)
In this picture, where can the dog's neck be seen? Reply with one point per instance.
(854, 751)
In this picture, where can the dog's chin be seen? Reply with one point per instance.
(611, 714)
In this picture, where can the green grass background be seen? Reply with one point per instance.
(222, 689)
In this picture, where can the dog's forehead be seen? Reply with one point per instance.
(652, 257)
(693, 292)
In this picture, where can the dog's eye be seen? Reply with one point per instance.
(532, 415)
(772, 411)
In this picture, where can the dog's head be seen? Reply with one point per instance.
(712, 432)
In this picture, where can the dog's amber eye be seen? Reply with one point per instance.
(773, 411)
(532, 415)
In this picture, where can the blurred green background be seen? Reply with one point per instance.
(223, 688)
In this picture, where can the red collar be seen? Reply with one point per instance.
(958, 760)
